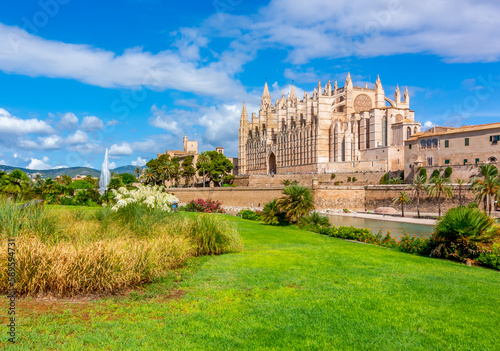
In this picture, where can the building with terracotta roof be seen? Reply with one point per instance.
(464, 149)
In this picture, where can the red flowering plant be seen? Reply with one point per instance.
(206, 206)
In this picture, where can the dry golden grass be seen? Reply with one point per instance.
(87, 254)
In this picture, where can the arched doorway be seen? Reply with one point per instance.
(272, 164)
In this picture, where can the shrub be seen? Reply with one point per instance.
(288, 182)
(464, 233)
(296, 202)
(447, 172)
(212, 235)
(473, 205)
(80, 184)
(271, 214)
(251, 215)
(206, 206)
(333, 176)
(423, 173)
(348, 179)
(435, 173)
(384, 179)
(354, 179)
(413, 244)
(490, 259)
(345, 210)
(150, 196)
(358, 234)
(314, 220)
(337, 183)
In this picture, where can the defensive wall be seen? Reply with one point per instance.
(355, 197)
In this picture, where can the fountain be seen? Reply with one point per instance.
(105, 174)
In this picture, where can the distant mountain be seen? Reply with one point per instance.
(72, 171)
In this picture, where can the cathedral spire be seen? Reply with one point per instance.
(244, 115)
(335, 85)
(397, 95)
(378, 83)
(407, 96)
(266, 97)
(348, 81)
(319, 87)
(292, 93)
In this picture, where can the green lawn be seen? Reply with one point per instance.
(288, 290)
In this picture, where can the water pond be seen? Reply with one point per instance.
(397, 229)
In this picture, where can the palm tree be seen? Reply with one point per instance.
(16, 182)
(418, 187)
(297, 202)
(438, 186)
(464, 233)
(137, 171)
(149, 176)
(203, 160)
(487, 186)
(461, 183)
(271, 214)
(403, 198)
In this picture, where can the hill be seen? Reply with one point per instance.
(71, 171)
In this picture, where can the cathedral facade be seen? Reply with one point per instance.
(333, 130)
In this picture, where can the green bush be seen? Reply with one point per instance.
(337, 183)
(272, 214)
(359, 234)
(251, 215)
(423, 173)
(314, 220)
(447, 172)
(490, 259)
(413, 244)
(435, 173)
(473, 205)
(384, 179)
(464, 233)
(80, 184)
(348, 179)
(353, 179)
(333, 176)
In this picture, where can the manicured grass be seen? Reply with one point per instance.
(289, 289)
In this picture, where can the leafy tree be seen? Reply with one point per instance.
(51, 187)
(115, 183)
(403, 198)
(137, 171)
(188, 170)
(438, 186)
(90, 180)
(203, 160)
(436, 172)
(128, 178)
(418, 187)
(156, 168)
(218, 167)
(15, 183)
(64, 180)
(464, 233)
(80, 184)
(296, 202)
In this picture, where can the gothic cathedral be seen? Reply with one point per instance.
(335, 130)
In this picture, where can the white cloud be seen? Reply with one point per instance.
(51, 142)
(79, 137)
(36, 164)
(113, 122)
(132, 69)
(91, 124)
(2, 162)
(144, 146)
(68, 121)
(112, 165)
(121, 149)
(139, 162)
(11, 125)
(168, 121)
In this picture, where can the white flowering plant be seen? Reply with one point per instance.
(151, 196)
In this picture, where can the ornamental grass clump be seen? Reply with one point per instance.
(211, 235)
(150, 196)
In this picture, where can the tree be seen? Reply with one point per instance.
(403, 198)
(448, 171)
(272, 214)
(115, 183)
(137, 171)
(128, 178)
(64, 180)
(92, 181)
(486, 186)
(461, 183)
(418, 187)
(203, 160)
(80, 184)
(149, 176)
(218, 167)
(15, 183)
(423, 172)
(464, 233)
(188, 170)
(156, 169)
(438, 186)
(296, 202)
(51, 187)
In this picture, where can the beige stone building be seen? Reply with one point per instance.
(464, 149)
(333, 130)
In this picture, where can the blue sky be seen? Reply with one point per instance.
(77, 76)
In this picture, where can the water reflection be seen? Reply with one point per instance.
(397, 229)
